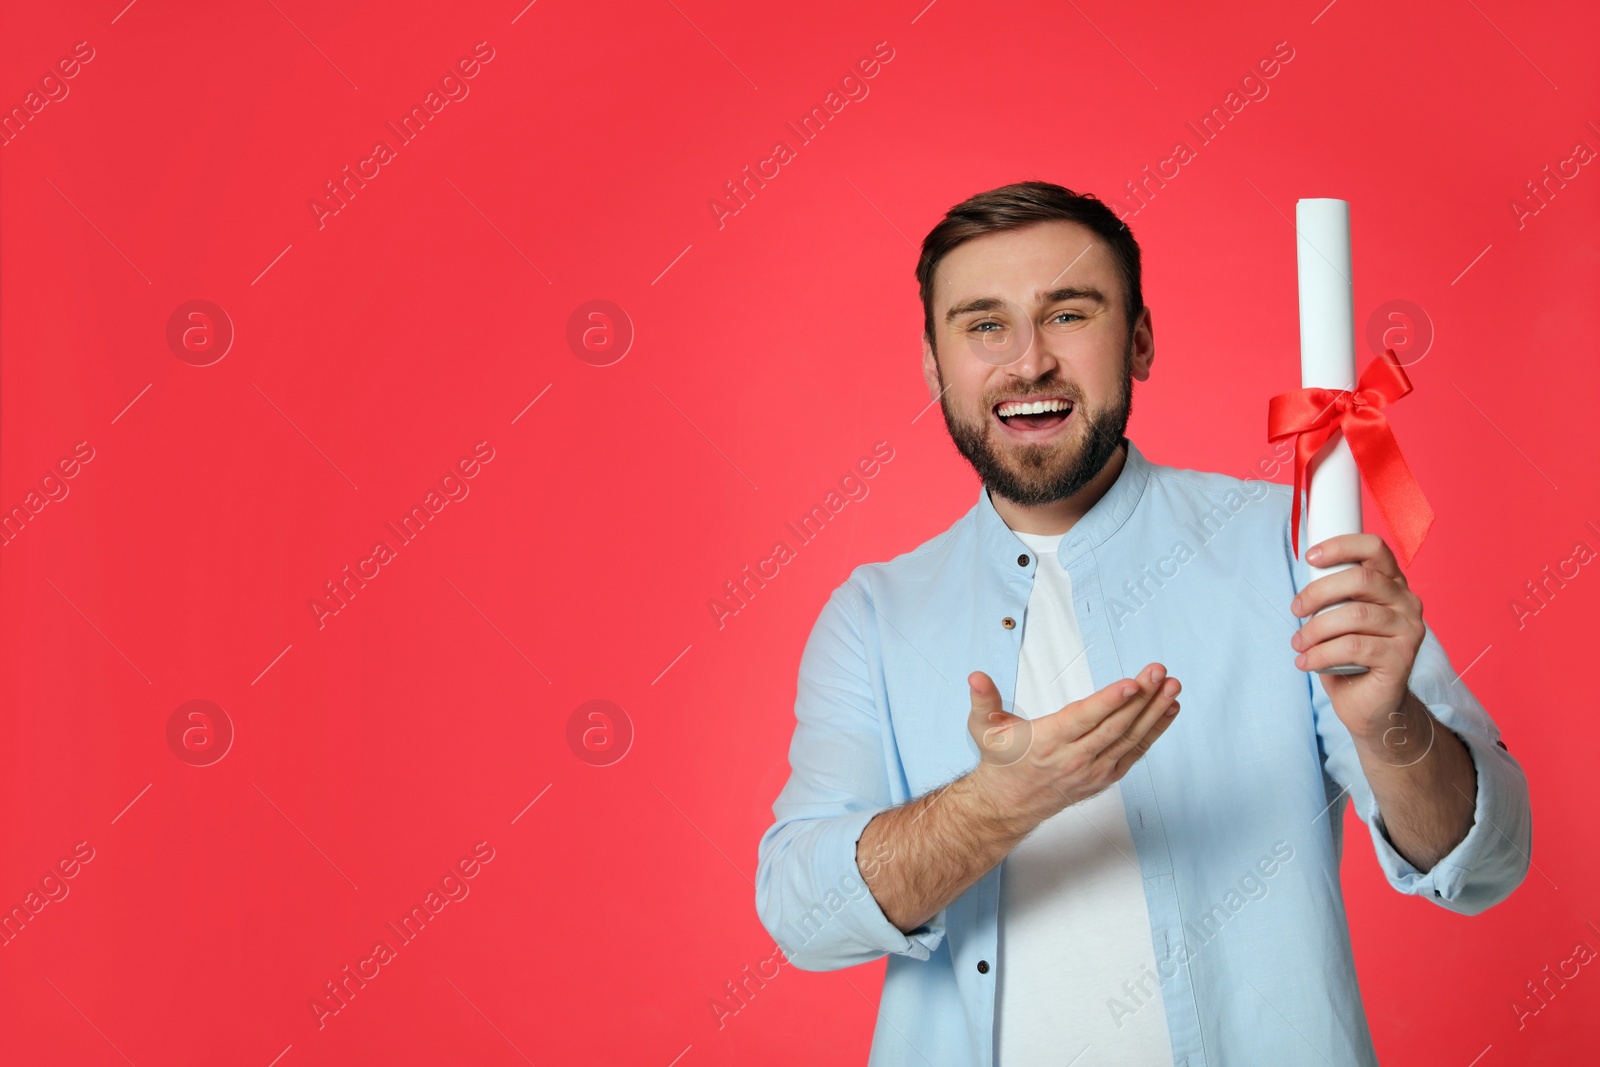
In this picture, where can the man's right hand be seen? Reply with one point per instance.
(1032, 768)
(919, 856)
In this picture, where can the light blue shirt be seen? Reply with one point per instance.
(1236, 811)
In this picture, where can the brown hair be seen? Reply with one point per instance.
(1020, 204)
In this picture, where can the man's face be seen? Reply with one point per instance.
(1050, 296)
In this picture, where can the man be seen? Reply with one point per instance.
(1096, 877)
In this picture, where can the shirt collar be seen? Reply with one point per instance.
(999, 544)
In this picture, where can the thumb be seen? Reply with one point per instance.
(1001, 737)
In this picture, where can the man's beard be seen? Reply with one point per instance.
(1037, 474)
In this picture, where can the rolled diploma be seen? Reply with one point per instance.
(1328, 361)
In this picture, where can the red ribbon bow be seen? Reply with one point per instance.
(1314, 414)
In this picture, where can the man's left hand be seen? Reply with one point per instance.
(1380, 628)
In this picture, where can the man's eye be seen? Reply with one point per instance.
(979, 328)
(1074, 314)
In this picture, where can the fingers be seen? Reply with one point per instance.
(1363, 649)
(1352, 583)
(1142, 745)
(1367, 549)
(1354, 617)
(1159, 712)
(1100, 719)
(1117, 732)
(1001, 737)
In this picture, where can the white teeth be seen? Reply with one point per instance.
(1037, 407)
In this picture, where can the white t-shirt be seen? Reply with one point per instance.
(1074, 926)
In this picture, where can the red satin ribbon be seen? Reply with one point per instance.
(1314, 414)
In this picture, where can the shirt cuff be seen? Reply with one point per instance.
(830, 918)
(1487, 864)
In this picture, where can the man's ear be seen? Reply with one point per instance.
(930, 369)
(1144, 345)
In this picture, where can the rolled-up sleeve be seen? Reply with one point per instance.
(1491, 861)
(810, 894)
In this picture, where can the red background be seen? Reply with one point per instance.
(770, 353)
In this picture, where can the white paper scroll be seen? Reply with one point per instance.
(1328, 361)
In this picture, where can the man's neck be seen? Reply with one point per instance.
(1060, 516)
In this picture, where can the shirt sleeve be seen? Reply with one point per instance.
(810, 894)
(1491, 861)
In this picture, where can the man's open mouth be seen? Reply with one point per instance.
(1033, 417)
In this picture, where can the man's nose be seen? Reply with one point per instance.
(1035, 357)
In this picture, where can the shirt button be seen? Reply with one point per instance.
(983, 966)
(1008, 622)
(1022, 560)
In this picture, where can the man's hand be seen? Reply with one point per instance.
(1033, 768)
(1381, 629)
(1422, 776)
(918, 857)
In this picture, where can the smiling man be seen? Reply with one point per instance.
(1061, 867)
